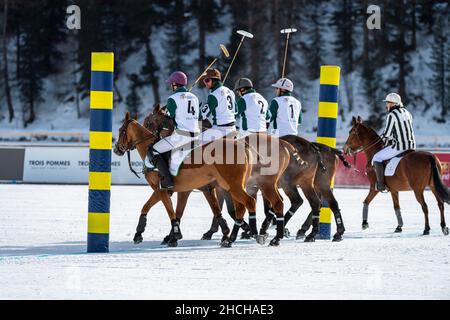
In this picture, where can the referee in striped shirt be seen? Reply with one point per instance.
(398, 136)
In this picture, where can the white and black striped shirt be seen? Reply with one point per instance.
(399, 129)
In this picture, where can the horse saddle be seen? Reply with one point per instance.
(392, 164)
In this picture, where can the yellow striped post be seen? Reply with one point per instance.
(326, 130)
(100, 145)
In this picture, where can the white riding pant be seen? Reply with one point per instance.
(173, 141)
(386, 154)
(216, 133)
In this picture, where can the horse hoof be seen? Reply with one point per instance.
(310, 238)
(445, 231)
(261, 239)
(275, 242)
(246, 235)
(300, 234)
(166, 240)
(365, 225)
(138, 239)
(287, 234)
(226, 243)
(173, 243)
(398, 230)
(337, 237)
(426, 232)
(207, 236)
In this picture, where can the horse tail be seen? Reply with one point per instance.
(341, 157)
(316, 149)
(293, 153)
(442, 191)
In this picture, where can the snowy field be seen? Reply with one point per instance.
(42, 252)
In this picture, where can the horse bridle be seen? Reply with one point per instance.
(131, 146)
(369, 146)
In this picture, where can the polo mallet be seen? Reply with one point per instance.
(288, 32)
(244, 35)
(224, 51)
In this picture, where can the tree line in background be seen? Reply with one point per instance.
(37, 46)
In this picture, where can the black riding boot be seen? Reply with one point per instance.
(379, 171)
(163, 168)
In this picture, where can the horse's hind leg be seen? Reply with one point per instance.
(398, 213)
(154, 199)
(314, 202)
(421, 200)
(296, 202)
(270, 192)
(334, 206)
(444, 227)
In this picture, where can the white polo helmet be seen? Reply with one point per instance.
(284, 84)
(394, 98)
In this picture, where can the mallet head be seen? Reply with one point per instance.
(224, 50)
(288, 30)
(245, 34)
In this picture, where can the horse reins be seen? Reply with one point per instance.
(133, 146)
(362, 149)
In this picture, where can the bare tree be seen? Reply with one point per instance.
(5, 61)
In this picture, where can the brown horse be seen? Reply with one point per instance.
(268, 152)
(416, 171)
(230, 176)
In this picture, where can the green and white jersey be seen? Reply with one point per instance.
(222, 104)
(253, 111)
(183, 107)
(286, 114)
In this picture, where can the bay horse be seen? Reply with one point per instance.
(266, 152)
(326, 162)
(416, 171)
(230, 176)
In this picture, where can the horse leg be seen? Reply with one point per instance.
(444, 227)
(176, 231)
(182, 198)
(252, 191)
(367, 201)
(242, 201)
(421, 200)
(296, 202)
(270, 192)
(314, 202)
(334, 206)
(225, 196)
(398, 213)
(270, 215)
(154, 198)
(218, 220)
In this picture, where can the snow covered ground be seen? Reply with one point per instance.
(42, 253)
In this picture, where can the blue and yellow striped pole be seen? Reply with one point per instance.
(100, 145)
(326, 129)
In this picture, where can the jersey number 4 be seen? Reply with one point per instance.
(191, 108)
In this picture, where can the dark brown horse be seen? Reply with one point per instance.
(230, 176)
(271, 158)
(327, 160)
(416, 171)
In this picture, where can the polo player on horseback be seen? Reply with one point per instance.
(252, 108)
(221, 107)
(183, 108)
(285, 110)
(398, 136)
